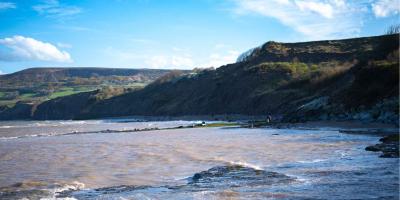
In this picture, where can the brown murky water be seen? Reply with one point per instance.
(323, 164)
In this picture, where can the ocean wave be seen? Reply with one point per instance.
(215, 178)
(122, 130)
(245, 164)
(74, 186)
(311, 161)
(71, 186)
(7, 126)
(8, 138)
(236, 162)
(40, 190)
(28, 136)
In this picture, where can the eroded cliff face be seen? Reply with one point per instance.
(332, 80)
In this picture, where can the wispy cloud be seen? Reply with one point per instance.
(74, 28)
(314, 19)
(385, 8)
(7, 5)
(142, 41)
(53, 8)
(20, 48)
(64, 45)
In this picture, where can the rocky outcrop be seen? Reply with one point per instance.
(389, 146)
(21, 110)
(385, 111)
(68, 107)
(237, 175)
(215, 178)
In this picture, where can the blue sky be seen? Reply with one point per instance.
(179, 34)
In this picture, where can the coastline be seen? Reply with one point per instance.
(353, 127)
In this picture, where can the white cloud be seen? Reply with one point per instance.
(175, 60)
(219, 59)
(159, 61)
(182, 61)
(323, 19)
(7, 5)
(53, 8)
(385, 8)
(185, 61)
(170, 61)
(28, 49)
(1, 72)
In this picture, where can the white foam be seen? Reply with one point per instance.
(312, 161)
(245, 164)
(55, 198)
(242, 163)
(7, 126)
(8, 138)
(73, 186)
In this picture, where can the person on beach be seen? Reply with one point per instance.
(269, 119)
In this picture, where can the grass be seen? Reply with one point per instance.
(63, 92)
(9, 103)
(26, 96)
(136, 85)
(295, 69)
(60, 92)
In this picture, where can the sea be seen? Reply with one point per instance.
(140, 159)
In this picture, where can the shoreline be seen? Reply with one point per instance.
(350, 127)
(276, 121)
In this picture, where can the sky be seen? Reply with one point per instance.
(173, 34)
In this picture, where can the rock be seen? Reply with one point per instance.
(390, 138)
(236, 175)
(372, 148)
(389, 146)
(21, 110)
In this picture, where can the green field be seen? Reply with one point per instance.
(32, 96)
(65, 91)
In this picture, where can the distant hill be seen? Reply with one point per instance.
(37, 75)
(40, 84)
(322, 80)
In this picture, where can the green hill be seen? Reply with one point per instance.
(40, 84)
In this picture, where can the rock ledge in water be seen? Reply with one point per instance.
(235, 176)
(389, 146)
